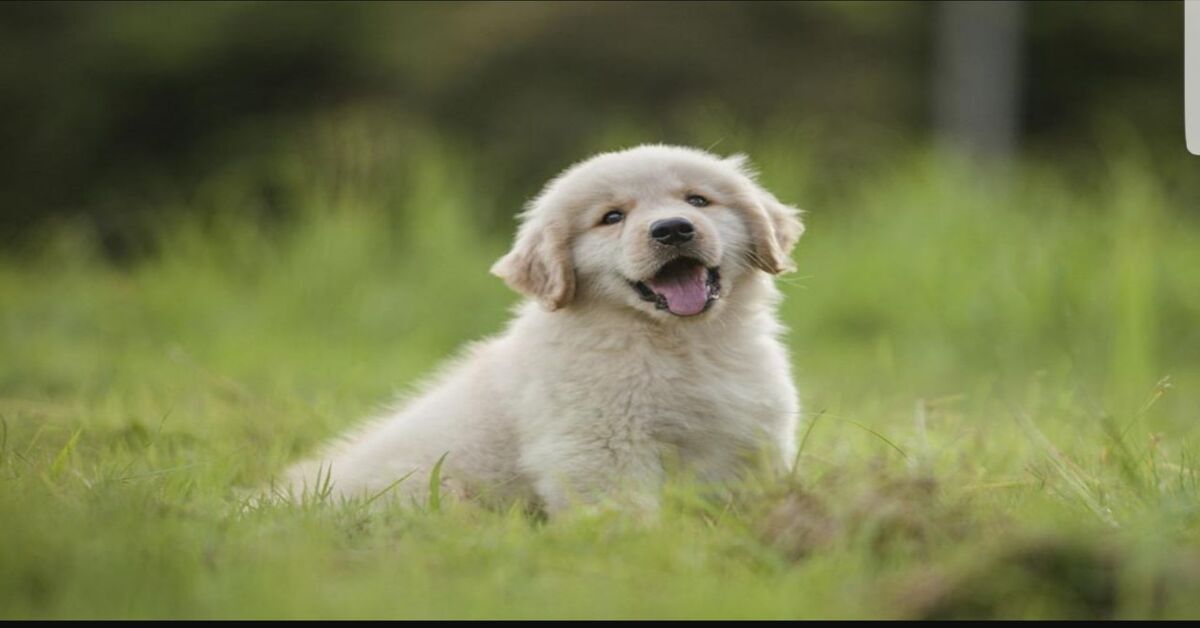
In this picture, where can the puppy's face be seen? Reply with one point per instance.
(662, 230)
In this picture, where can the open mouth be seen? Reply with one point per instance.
(683, 287)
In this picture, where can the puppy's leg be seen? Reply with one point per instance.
(594, 475)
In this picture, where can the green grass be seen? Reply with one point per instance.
(1001, 379)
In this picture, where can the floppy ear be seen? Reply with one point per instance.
(775, 228)
(539, 265)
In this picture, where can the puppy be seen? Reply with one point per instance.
(648, 344)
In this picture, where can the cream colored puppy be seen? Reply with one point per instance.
(648, 344)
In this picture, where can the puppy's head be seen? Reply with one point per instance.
(664, 230)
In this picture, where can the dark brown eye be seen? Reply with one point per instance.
(612, 217)
(696, 200)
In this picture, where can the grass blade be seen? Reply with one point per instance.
(435, 484)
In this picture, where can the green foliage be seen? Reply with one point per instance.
(111, 109)
(1005, 371)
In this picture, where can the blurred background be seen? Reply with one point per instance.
(114, 113)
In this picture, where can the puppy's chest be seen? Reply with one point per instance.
(672, 396)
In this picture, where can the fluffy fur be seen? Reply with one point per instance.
(593, 393)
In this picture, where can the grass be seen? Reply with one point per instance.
(1001, 378)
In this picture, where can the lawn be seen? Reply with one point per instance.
(1000, 374)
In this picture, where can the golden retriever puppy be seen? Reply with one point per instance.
(648, 345)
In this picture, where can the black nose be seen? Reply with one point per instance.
(672, 231)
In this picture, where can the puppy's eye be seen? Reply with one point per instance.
(612, 217)
(696, 200)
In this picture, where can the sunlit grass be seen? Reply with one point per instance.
(1000, 377)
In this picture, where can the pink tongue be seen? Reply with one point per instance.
(686, 292)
